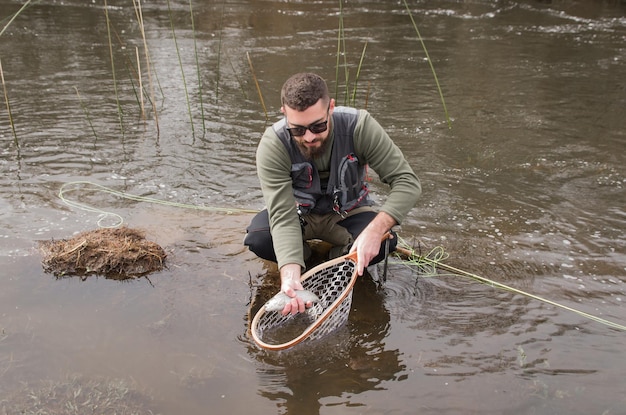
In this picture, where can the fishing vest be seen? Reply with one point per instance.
(345, 188)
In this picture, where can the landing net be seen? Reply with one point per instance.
(332, 282)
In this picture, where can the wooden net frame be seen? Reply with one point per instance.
(332, 282)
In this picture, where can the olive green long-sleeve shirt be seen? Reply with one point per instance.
(373, 146)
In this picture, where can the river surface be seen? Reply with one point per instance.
(525, 185)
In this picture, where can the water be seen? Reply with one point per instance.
(526, 188)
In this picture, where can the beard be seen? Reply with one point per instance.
(313, 152)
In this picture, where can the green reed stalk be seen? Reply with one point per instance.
(154, 73)
(132, 74)
(182, 70)
(6, 100)
(258, 88)
(117, 97)
(15, 16)
(143, 108)
(195, 50)
(339, 36)
(82, 104)
(341, 50)
(243, 90)
(135, 72)
(346, 69)
(358, 73)
(430, 62)
(139, 15)
(219, 56)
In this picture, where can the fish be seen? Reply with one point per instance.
(278, 302)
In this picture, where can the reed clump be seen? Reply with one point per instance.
(116, 253)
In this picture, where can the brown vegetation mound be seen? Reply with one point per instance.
(118, 253)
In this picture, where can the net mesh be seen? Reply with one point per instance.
(332, 284)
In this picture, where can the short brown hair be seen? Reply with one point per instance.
(303, 90)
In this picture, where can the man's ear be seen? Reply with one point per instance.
(282, 109)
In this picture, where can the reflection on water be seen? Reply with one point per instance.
(527, 189)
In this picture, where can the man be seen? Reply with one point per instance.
(312, 168)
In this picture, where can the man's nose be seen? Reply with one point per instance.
(309, 136)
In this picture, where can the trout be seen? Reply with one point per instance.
(278, 302)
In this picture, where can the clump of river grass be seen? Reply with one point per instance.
(119, 253)
(77, 395)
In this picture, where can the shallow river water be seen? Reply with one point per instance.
(525, 185)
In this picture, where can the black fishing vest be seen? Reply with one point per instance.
(345, 188)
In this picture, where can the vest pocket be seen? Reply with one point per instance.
(351, 190)
(302, 180)
(302, 175)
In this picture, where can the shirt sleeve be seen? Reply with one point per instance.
(274, 171)
(375, 148)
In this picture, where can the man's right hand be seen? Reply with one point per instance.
(289, 283)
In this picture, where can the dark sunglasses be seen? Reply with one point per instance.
(316, 128)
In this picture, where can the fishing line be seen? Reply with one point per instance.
(426, 265)
(118, 220)
(433, 260)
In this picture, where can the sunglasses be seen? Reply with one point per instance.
(315, 128)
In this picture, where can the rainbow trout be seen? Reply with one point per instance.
(278, 302)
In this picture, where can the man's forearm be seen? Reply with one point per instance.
(381, 223)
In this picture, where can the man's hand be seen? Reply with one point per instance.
(289, 283)
(367, 244)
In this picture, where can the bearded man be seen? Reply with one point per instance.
(312, 165)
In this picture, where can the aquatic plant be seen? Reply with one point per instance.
(139, 16)
(77, 395)
(8, 105)
(86, 113)
(195, 51)
(341, 46)
(182, 69)
(356, 78)
(117, 96)
(120, 253)
(219, 56)
(258, 88)
(17, 13)
(430, 62)
(349, 98)
(4, 88)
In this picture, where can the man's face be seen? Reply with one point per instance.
(306, 127)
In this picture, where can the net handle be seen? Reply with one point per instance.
(353, 256)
